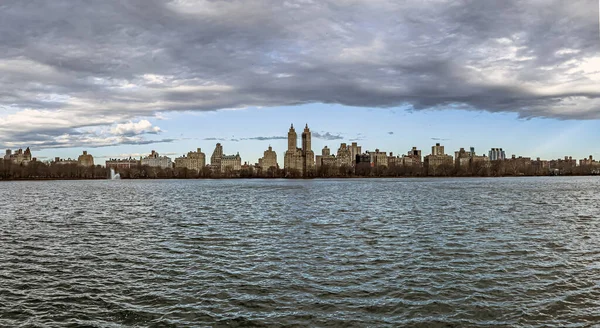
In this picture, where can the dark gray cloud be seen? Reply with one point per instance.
(66, 65)
(390, 132)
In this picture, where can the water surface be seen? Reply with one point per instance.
(319, 253)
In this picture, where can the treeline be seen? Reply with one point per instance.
(42, 171)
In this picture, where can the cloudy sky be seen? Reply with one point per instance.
(125, 77)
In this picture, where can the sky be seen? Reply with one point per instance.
(122, 78)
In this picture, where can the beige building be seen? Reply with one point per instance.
(301, 159)
(437, 159)
(154, 160)
(325, 158)
(588, 162)
(268, 160)
(464, 160)
(195, 160)
(19, 157)
(415, 154)
(85, 159)
(354, 149)
(399, 160)
(378, 158)
(215, 159)
(62, 161)
(231, 162)
(344, 156)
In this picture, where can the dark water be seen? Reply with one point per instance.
(328, 253)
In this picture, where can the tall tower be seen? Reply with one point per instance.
(306, 135)
(215, 159)
(292, 139)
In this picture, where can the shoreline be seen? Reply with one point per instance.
(312, 178)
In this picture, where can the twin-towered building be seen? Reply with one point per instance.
(300, 159)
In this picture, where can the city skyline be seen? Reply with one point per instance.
(281, 155)
(106, 78)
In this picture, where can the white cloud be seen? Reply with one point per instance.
(132, 128)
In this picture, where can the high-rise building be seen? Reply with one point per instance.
(268, 160)
(154, 160)
(215, 159)
(437, 159)
(325, 158)
(354, 149)
(378, 158)
(85, 159)
(496, 154)
(437, 149)
(344, 155)
(19, 157)
(231, 162)
(415, 154)
(301, 159)
(193, 161)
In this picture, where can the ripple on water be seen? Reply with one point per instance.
(331, 253)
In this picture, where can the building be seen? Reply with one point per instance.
(589, 162)
(468, 160)
(354, 149)
(85, 159)
(117, 164)
(497, 154)
(19, 157)
(518, 165)
(62, 161)
(325, 159)
(215, 159)
(398, 161)
(378, 158)
(462, 159)
(415, 154)
(345, 155)
(268, 160)
(195, 160)
(438, 162)
(565, 165)
(231, 163)
(300, 159)
(362, 164)
(154, 160)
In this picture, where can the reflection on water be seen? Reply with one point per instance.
(384, 252)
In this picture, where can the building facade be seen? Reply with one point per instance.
(497, 154)
(85, 159)
(194, 160)
(217, 155)
(154, 160)
(325, 159)
(268, 160)
(19, 157)
(378, 158)
(345, 156)
(231, 163)
(127, 163)
(438, 162)
(301, 159)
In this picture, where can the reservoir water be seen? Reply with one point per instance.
(319, 253)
